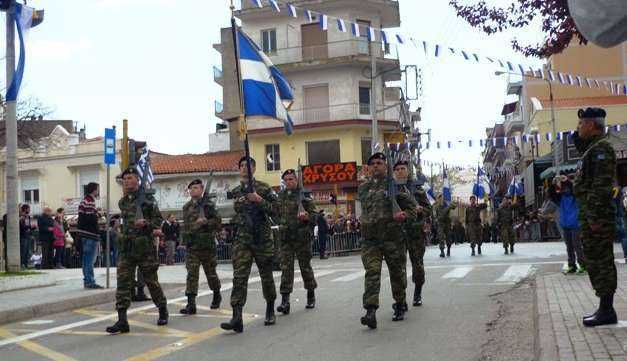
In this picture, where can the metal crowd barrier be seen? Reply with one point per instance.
(340, 244)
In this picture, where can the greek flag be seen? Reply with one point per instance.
(429, 192)
(267, 93)
(341, 26)
(481, 188)
(23, 17)
(143, 166)
(446, 188)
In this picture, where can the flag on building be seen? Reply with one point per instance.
(266, 91)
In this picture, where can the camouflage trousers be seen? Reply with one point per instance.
(148, 266)
(474, 235)
(415, 243)
(243, 257)
(444, 237)
(207, 259)
(598, 250)
(301, 250)
(507, 235)
(372, 256)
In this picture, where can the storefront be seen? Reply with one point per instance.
(333, 186)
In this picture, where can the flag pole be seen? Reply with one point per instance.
(242, 116)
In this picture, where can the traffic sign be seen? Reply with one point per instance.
(109, 146)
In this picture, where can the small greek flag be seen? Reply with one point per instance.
(341, 26)
(481, 188)
(501, 64)
(446, 188)
(437, 50)
(257, 3)
(384, 37)
(494, 142)
(579, 81)
(559, 136)
(524, 138)
(465, 55)
(589, 82)
(596, 82)
(400, 38)
(429, 192)
(561, 77)
(510, 66)
(275, 6)
(537, 138)
(490, 59)
(371, 34)
(309, 15)
(324, 22)
(476, 57)
(292, 10)
(143, 166)
(522, 70)
(355, 28)
(549, 136)
(424, 46)
(551, 75)
(449, 144)
(571, 81)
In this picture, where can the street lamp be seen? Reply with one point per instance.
(498, 73)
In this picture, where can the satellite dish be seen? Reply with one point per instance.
(602, 22)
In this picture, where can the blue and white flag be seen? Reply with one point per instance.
(429, 192)
(511, 190)
(309, 15)
(446, 188)
(275, 6)
(257, 3)
(384, 37)
(400, 39)
(292, 10)
(23, 17)
(267, 93)
(143, 166)
(324, 22)
(341, 26)
(355, 28)
(371, 34)
(481, 188)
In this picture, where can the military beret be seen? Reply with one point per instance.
(596, 114)
(288, 172)
(194, 182)
(400, 162)
(243, 159)
(473, 196)
(130, 170)
(377, 155)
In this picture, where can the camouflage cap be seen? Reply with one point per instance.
(194, 182)
(377, 155)
(130, 170)
(288, 172)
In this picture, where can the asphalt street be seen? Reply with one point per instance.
(451, 325)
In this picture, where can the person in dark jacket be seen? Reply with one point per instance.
(45, 223)
(171, 230)
(89, 233)
(561, 193)
(323, 234)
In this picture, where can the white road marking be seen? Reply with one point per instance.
(516, 273)
(38, 322)
(458, 272)
(350, 277)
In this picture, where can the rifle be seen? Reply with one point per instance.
(206, 196)
(301, 191)
(392, 190)
(253, 215)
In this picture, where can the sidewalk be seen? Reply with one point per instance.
(55, 291)
(562, 302)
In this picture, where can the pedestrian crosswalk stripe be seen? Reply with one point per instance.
(515, 273)
(458, 272)
(350, 277)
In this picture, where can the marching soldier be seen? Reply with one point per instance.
(137, 250)
(383, 239)
(414, 229)
(473, 224)
(505, 223)
(201, 222)
(296, 232)
(593, 190)
(443, 219)
(253, 242)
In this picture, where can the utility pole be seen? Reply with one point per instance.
(10, 120)
(373, 95)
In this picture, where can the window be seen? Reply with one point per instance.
(327, 151)
(268, 41)
(364, 100)
(86, 176)
(30, 189)
(273, 157)
(366, 150)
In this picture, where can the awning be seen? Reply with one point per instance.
(551, 172)
(509, 108)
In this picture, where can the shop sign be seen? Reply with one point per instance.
(329, 173)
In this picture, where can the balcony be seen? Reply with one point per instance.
(336, 53)
(219, 108)
(513, 123)
(217, 75)
(333, 113)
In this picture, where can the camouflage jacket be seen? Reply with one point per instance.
(133, 240)
(505, 216)
(287, 213)
(421, 199)
(200, 236)
(377, 220)
(442, 214)
(595, 178)
(473, 214)
(251, 217)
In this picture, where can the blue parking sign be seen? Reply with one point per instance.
(109, 146)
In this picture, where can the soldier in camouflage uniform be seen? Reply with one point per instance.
(414, 229)
(473, 224)
(443, 218)
(137, 250)
(383, 239)
(296, 233)
(253, 242)
(201, 222)
(505, 224)
(593, 189)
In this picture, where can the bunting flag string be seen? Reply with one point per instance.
(386, 37)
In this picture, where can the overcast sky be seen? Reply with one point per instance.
(99, 61)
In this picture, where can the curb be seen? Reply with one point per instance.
(43, 281)
(45, 309)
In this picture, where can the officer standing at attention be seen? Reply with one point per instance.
(137, 250)
(201, 223)
(443, 217)
(473, 224)
(505, 222)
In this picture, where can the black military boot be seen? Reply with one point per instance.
(121, 326)
(236, 324)
(311, 299)
(284, 307)
(442, 253)
(370, 319)
(473, 251)
(506, 251)
(448, 251)
(479, 250)
(606, 315)
(140, 296)
(215, 302)
(399, 312)
(163, 316)
(190, 309)
(418, 296)
(511, 248)
(270, 317)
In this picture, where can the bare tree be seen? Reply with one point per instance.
(29, 109)
(557, 23)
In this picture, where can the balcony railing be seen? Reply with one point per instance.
(331, 50)
(513, 122)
